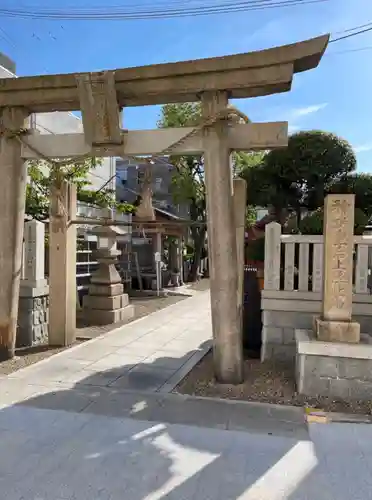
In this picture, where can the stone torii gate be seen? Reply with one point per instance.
(101, 97)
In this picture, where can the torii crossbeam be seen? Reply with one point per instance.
(101, 97)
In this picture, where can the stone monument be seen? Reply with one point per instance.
(33, 308)
(335, 324)
(334, 359)
(106, 301)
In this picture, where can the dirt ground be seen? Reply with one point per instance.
(264, 382)
(28, 356)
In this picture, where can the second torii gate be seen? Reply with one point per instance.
(101, 97)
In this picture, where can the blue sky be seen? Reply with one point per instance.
(335, 97)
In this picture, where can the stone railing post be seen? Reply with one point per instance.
(273, 232)
(33, 308)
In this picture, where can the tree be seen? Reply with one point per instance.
(41, 174)
(361, 186)
(188, 182)
(298, 177)
(313, 223)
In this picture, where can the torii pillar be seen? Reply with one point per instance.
(224, 281)
(12, 212)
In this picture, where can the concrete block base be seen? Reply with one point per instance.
(106, 290)
(337, 331)
(337, 370)
(33, 319)
(105, 303)
(107, 317)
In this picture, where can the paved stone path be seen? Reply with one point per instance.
(152, 354)
(90, 424)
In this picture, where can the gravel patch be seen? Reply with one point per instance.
(268, 382)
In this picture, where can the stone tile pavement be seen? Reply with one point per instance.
(151, 354)
(91, 423)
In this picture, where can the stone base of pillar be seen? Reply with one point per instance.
(337, 331)
(107, 304)
(33, 316)
(336, 370)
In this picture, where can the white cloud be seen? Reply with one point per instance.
(363, 148)
(307, 110)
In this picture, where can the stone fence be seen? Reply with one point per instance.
(292, 294)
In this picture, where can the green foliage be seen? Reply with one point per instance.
(300, 175)
(42, 175)
(187, 114)
(313, 223)
(243, 162)
(361, 186)
(188, 184)
(251, 167)
(188, 181)
(250, 215)
(255, 250)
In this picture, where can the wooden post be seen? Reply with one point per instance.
(240, 202)
(12, 210)
(62, 265)
(227, 350)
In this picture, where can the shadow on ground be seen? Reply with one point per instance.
(101, 437)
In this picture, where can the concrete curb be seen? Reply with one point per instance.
(311, 415)
(314, 416)
(185, 369)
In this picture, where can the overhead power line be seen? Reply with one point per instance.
(347, 51)
(349, 35)
(139, 13)
(348, 30)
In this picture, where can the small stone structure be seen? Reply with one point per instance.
(333, 359)
(106, 303)
(335, 323)
(33, 308)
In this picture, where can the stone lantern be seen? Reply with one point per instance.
(106, 301)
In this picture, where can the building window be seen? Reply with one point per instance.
(140, 176)
(123, 174)
(157, 184)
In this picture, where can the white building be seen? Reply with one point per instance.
(64, 123)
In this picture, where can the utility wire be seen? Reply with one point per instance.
(340, 52)
(5, 36)
(360, 32)
(140, 14)
(361, 26)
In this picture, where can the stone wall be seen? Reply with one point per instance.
(339, 371)
(282, 315)
(33, 317)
